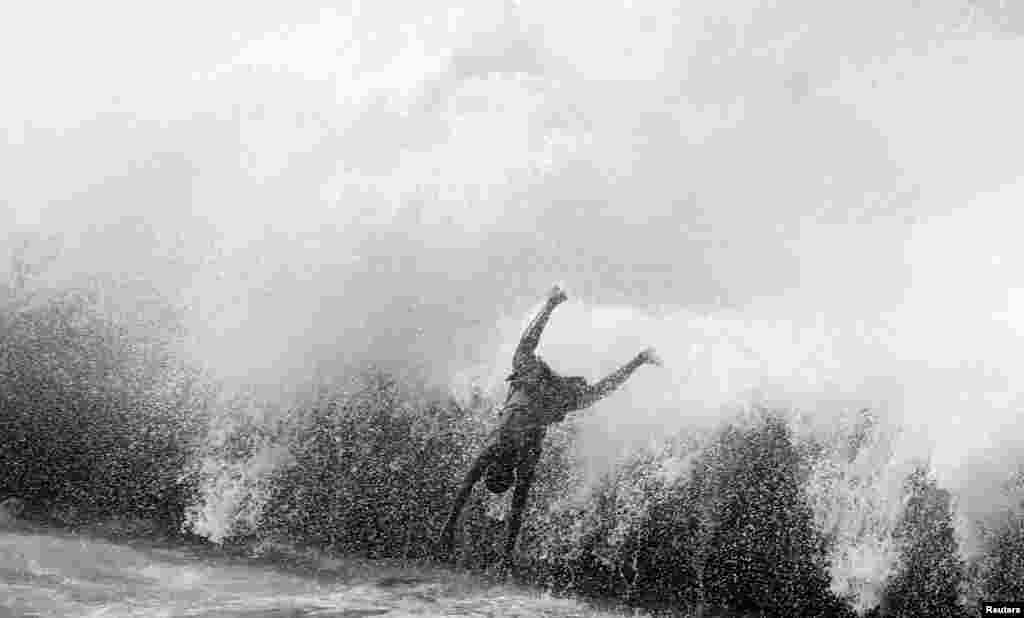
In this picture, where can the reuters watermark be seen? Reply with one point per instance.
(1001, 608)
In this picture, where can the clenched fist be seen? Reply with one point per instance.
(650, 357)
(557, 295)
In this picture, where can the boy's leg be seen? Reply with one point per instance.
(476, 470)
(524, 481)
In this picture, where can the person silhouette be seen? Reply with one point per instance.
(537, 398)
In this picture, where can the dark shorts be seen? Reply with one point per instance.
(499, 477)
(510, 450)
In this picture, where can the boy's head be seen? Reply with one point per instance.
(541, 374)
(541, 370)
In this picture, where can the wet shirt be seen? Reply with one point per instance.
(538, 398)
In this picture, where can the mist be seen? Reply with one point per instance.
(810, 207)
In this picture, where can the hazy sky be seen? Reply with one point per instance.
(820, 200)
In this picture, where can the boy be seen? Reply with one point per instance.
(537, 397)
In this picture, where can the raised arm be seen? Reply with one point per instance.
(531, 337)
(612, 381)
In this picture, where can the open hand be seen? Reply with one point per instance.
(557, 295)
(650, 357)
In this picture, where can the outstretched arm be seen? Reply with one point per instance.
(612, 381)
(531, 337)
